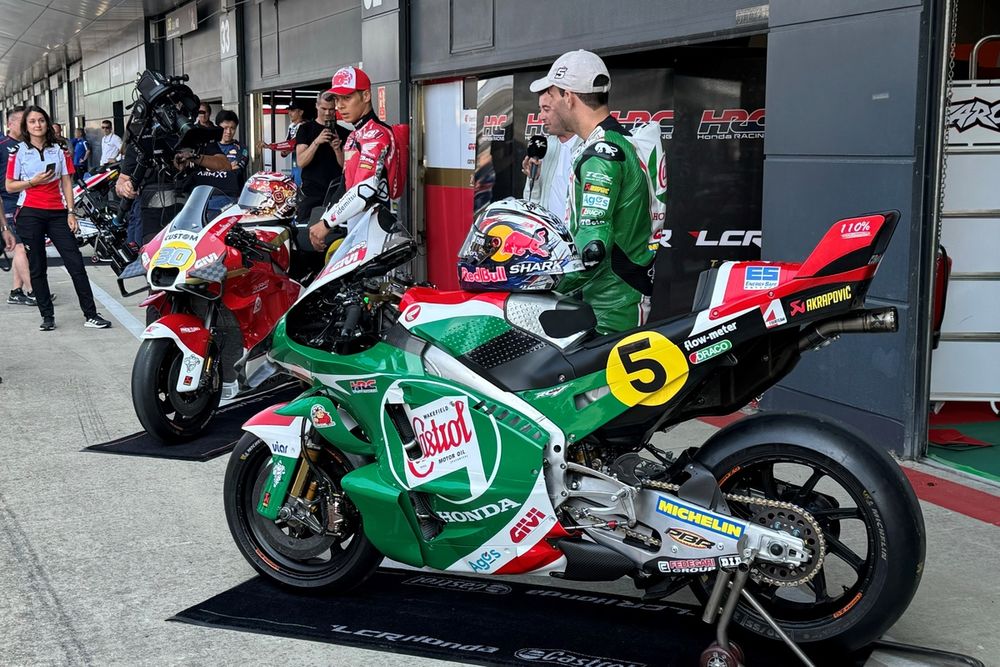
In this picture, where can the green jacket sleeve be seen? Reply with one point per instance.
(596, 188)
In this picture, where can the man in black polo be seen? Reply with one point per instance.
(228, 181)
(319, 154)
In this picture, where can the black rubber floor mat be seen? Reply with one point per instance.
(222, 435)
(487, 622)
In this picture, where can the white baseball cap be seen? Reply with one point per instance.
(576, 71)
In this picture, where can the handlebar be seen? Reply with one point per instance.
(248, 243)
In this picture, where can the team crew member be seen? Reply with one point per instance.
(20, 292)
(160, 198)
(609, 195)
(371, 141)
(229, 181)
(43, 173)
(111, 144)
(554, 171)
(319, 154)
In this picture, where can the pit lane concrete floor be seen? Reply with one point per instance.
(97, 550)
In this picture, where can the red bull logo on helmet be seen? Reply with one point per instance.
(515, 243)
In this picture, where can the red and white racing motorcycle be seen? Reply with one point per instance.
(218, 286)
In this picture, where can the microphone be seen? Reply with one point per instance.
(537, 147)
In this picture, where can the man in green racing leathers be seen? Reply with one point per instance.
(608, 205)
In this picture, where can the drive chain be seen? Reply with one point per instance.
(777, 504)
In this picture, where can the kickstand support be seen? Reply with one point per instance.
(770, 621)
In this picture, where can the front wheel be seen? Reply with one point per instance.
(168, 415)
(872, 529)
(331, 554)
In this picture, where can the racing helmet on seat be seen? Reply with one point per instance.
(516, 246)
(269, 193)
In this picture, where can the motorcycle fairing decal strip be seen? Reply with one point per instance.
(843, 238)
(281, 433)
(703, 320)
(515, 539)
(424, 313)
(189, 379)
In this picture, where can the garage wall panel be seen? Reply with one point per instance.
(451, 36)
(804, 196)
(298, 41)
(842, 110)
(843, 87)
(785, 12)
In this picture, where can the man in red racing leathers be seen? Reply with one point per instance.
(370, 143)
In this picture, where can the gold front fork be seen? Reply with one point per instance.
(303, 472)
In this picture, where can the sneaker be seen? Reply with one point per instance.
(48, 324)
(97, 322)
(17, 297)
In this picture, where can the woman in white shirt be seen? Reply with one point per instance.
(43, 173)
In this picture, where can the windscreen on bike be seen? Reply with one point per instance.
(194, 216)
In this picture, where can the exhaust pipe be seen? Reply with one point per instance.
(878, 320)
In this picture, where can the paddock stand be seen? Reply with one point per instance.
(725, 653)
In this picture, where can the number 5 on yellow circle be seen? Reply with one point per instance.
(646, 369)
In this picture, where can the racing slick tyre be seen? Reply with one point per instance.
(866, 509)
(287, 550)
(168, 415)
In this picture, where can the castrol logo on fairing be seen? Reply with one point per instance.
(437, 438)
(447, 440)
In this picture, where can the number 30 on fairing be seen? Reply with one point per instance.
(646, 369)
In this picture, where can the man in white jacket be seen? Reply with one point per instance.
(552, 184)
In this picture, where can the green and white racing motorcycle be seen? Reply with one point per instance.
(495, 433)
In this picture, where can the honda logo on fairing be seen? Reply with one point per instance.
(556, 656)
(732, 238)
(479, 513)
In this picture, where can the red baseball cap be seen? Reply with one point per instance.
(348, 80)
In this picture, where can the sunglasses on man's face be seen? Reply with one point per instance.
(202, 113)
(105, 127)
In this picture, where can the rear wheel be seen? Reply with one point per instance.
(288, 550)
(872, 530)
(167, 414)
